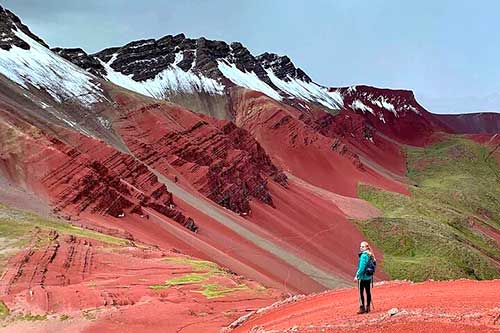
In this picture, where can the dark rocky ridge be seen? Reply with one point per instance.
(80, 58)
(144, 59)
(282, 67)
(9, 23)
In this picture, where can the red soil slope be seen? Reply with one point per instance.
(90, 182)
(353, 131)
(451, 306)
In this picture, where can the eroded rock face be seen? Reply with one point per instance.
(84, 174)
(9, 23)
(222, 161)
(114, 183)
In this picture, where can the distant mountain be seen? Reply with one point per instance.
(459, 105)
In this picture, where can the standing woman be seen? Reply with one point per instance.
(364, 280)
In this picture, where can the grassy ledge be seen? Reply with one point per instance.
(18, 227)
(4, 311)
(214, 290)
(203, 271)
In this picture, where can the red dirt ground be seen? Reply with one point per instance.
(451, 306)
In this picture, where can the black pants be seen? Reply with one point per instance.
(362, 286)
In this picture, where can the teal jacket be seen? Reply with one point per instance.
(363, 260)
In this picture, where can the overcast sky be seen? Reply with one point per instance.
(442, 50)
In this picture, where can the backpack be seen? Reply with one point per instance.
(371, 266)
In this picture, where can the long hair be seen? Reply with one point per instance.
(368, 249)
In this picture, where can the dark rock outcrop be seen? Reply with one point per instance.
(9, 23)
(80, 58)
(282, 67)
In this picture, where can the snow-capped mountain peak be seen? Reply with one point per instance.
(172, 64)
(27, 61)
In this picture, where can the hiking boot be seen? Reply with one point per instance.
(367, 309)
(361, 310)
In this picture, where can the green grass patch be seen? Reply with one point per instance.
(64, 317)
(89, 314)
(4, 311)
(203, 270)
(32, 317)
(16, 225)
(197, 265)
(191, 278)
(434, 234)
(17, 230)
(213, 290)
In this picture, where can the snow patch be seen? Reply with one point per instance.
(308, 91)
(248, 80)
(382, 102)
(172, 78)
(44, 105)
(410, 108)
(358, 105)
(44, 69)
(178, 58)
(104, 122)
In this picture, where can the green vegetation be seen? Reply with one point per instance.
(4, 311)
(90, 314)
(14, 224)
(203, 270)
(18, 228)
(191, 278)
(446, 228)
(213, 290)
(31, 317)
(64, 317)
(196, 265)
